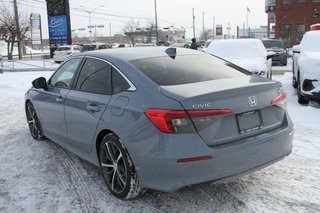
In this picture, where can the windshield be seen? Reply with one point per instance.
(237, 49)
(185, 69)
(273, 44)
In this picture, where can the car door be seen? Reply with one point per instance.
(51, 101)
(86, 103)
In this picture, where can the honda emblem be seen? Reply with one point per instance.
(252, 101)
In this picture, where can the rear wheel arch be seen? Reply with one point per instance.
(100, 137)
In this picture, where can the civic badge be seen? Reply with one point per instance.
(252, 101)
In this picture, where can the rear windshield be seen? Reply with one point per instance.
(187, 69)
(63, 48)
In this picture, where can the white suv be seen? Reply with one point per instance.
(306, 67)
(64, 52)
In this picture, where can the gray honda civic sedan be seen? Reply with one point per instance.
(161, 118)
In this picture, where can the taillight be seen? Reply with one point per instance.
(281, 100)
(170, 121)
(181, 121)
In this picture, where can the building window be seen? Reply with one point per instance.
(301, 1)
(315, 0)
(286, 33)
(286, 1)
(301, 29)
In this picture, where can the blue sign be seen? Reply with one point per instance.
(58, 29)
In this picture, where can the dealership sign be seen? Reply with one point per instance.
(35, 21)
(58, 31)
(219, 30)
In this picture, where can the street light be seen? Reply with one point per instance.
(89, 13)
(156, 19)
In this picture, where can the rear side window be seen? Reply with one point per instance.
(95, 77)
(185, 69)
(119, 84)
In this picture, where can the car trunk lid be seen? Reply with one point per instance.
(249, 98)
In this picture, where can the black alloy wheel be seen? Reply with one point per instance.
(117, 168)
(33, 122)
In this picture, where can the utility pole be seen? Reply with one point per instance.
(228, 29)
(110, 28)
(16, 13)
(213, 29)
(202, 23)
(193, 18)
(156, 19)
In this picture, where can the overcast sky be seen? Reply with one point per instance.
(170, 12)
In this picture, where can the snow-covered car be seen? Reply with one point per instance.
(306, 67)
(64, 52)
(249, 54)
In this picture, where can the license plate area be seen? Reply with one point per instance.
(249, 121)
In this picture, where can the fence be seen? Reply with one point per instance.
(27, 65)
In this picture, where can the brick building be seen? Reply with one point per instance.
(294, 17)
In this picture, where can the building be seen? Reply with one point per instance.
(270, 8)
(294, 17)
(261, 32)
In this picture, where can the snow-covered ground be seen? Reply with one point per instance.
(42, 177)
(29, 50)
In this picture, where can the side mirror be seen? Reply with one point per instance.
(296, 49)
(270, 54)
(40, 83)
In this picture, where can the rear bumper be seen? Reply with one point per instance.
(60, 58)
(229, 161)
(279, 58)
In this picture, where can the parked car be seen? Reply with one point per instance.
(306, 67)
(161, 118)
(181, 45)
(144, 45)
(277, 46)
(95, 46)
(249, 54)
(208, 42)
(64, 52)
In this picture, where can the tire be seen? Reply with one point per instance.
(270, 75)
(294, 82)
(285, 62)
(34, 123)
(117, 168)
(301, 99)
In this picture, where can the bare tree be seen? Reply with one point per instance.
(8, 30)
(130, 29)
(205, 34)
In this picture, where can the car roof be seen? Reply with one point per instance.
(131, 53)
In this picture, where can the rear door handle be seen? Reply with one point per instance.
(93, 107)
(59, 99)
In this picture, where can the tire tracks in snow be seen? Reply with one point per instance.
(84, 196)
